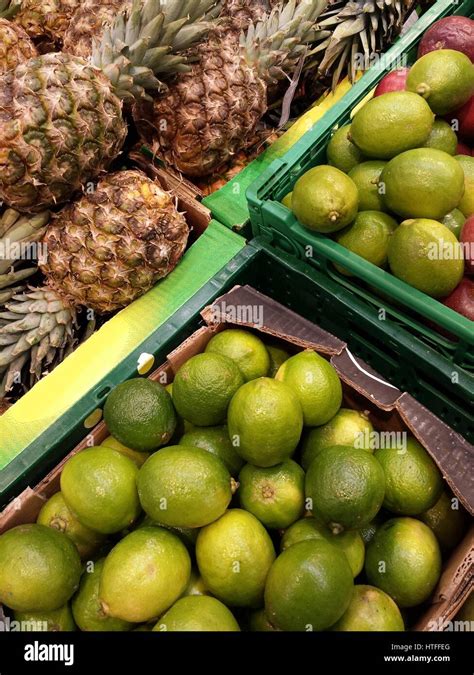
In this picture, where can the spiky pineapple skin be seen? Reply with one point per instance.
(60, 124)
(211, 112)
(15, 46)
(46, 18)
(88, 22)
(114, 243)
(243, 12)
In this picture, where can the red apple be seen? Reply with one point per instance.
(467, 241)
(464, 121)
(463, 149)
(462, 299)
(452, 32)
(394, 81)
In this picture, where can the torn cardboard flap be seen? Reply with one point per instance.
(454, 587)
(244, 306)
(451, 452)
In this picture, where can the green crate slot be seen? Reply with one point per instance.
(409, 308)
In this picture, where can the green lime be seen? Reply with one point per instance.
(39, 568)
(143, 575)
(404, 560)
(454, 221)
(86, 606)
(216, 441)
(203, 388)
(246, 349)
(466, 205)
(448, 520)
(138, 457)
(368, 236)
(309, 587)
(346, 486)
(442, 137)
(275, 495)
(422, 183)
(325, 199)
(57, 621)
(140, 415)
(265, 421)
(196, 585)
(198, 613)
(341, 152)
(99, 485)
(55, 513)
(350, 541)
(413, 482)
(234, 555)
(277, 357)
(366, 176)
(444, 78)
(286, 201)
(391, 123)
(370, 609)
(426, 255)
(347, 427)
(316, 384)
(259, 623)
(184, 487)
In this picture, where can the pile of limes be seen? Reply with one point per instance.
(394, 190)
(237, 501)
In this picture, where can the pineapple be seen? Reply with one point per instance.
(104, 250)
(88, 23)
(210, 113)
(46, 20)
(15, 45)
(114, 243)
(61, 120)
(353, 32)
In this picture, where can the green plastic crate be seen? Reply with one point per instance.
(383, 345)
(409, 308)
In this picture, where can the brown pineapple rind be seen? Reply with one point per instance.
(46, 19)
(60, 123)
(15, 46)
(114, 243)
(88, 23)
(208, 113)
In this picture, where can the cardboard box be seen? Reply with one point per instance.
(387, 408)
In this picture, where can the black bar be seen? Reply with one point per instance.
(141, 652)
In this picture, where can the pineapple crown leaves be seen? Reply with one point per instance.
(8, 8)
(280, 40)
(352, 31)
(37, 328)
(147, 40)
(17, 230)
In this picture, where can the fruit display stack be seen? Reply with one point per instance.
(398, 186)
(245, 494)
(264, 478)
(81, 83)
